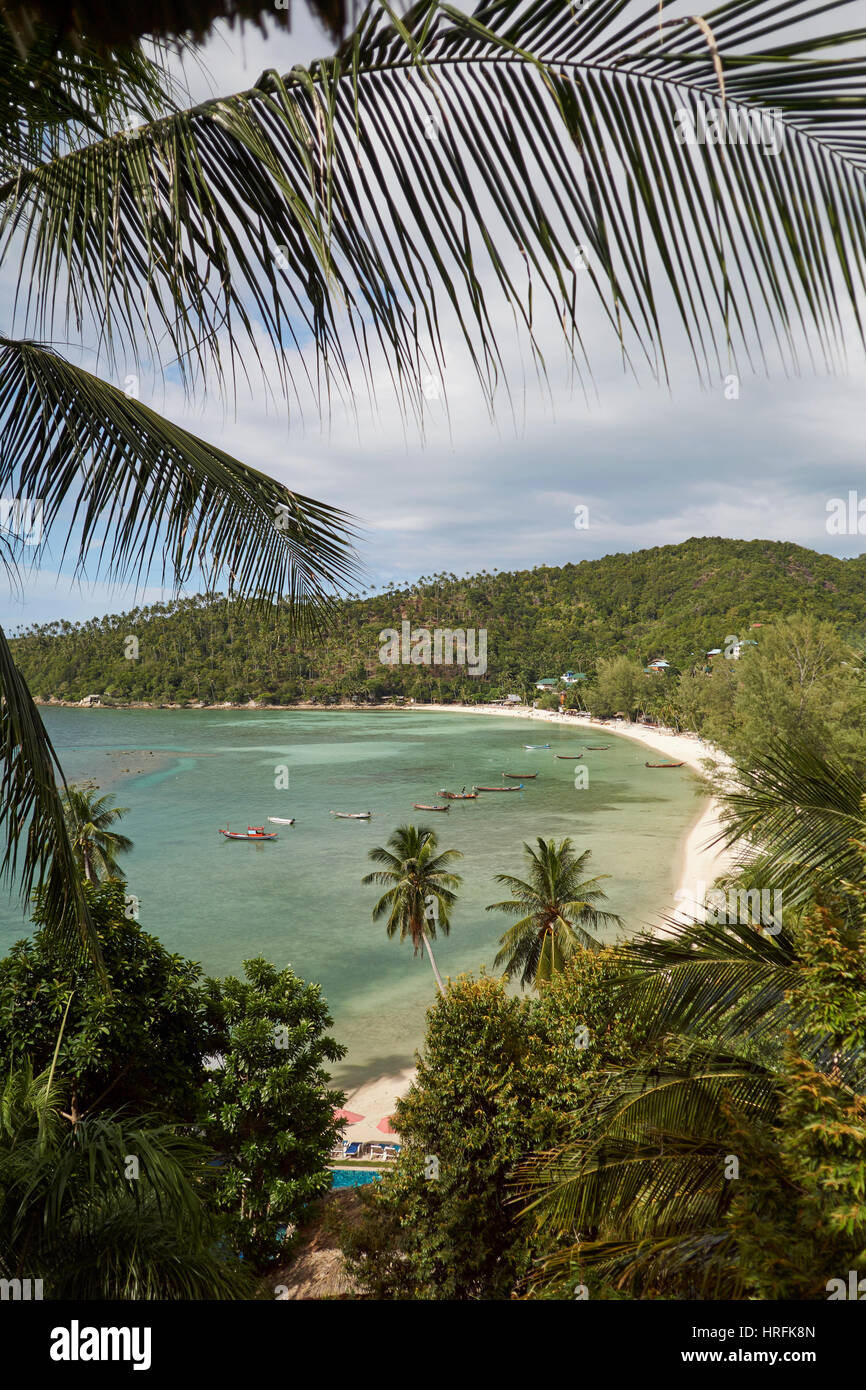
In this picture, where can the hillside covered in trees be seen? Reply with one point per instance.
(674, 602)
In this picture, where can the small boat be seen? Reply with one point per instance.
(568, 757)
(253, 832)
(519, 776)
(419, 806)
(281, 820)
(664, 764)
(499, 789)
(459, 796)
(536, 745)
(597, 747)
(352, 815)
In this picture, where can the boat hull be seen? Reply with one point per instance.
(500, 789)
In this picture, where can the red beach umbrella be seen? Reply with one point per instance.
(385, 1125)
(348, 1117)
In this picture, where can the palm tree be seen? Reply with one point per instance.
(801, 816)
(555, 904)
(75, 1214)
(207, 235)
(420, 892)
(94, 843)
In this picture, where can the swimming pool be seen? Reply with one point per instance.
(353, 1177)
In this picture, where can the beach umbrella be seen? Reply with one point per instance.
(348, 1117)
(385, 1125)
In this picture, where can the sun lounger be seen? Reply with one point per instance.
(352, 1151)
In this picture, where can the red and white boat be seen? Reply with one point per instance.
(253, 832)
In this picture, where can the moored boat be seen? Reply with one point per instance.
(597, 747)
(519, 776)
(351, 815)
(664, 764)
(536, 745)
(568, 757)
(252, 832)
(459, 796)
(281, 820)
(499, 789)
(419, 806)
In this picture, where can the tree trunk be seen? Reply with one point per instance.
(426, 941)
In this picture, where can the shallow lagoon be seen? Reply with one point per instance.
(298, 900)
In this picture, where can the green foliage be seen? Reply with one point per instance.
(268, 1106)
(89, 820)
(498, 1075)
(111, 1207)
(672, 601)
(557, 909)
(141, 1043)
(800, 1218)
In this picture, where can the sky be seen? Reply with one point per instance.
(651, 464)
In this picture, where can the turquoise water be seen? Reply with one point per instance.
(299, 900)
(353, 1177)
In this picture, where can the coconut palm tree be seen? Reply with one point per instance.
(420, 889)
(76, 1215)
(802, 816)
(557, 908)
(553, 153)
(88, 821)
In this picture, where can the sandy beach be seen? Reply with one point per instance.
(700, 863)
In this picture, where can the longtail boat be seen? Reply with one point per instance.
(281, 820)
(419, 806)
(499, 789)
(352, 815)
(568, 757)
(459, 796)
(536, 745)
(252, 832)
(664, 764)
(597, 747)
(519, 776)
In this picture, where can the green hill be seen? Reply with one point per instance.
(672, 601)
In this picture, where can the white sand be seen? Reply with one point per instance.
(701, 864)
(375, 1100)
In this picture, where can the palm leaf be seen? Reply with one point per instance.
(37, 845)
(555, 130)
(139, 484)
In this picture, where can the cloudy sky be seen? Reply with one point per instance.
(653, 464)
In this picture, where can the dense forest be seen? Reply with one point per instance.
(675, 602)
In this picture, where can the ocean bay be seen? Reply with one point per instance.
(299, 900)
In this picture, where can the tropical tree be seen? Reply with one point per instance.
(270, 229)
(109, 1207)
(753, 1064)
(556, 905)
(801, 816)
(420, 889)
(88, 822)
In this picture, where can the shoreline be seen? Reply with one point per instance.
(699, 864)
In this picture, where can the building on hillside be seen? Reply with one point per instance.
(547, 684)
(658, 668)
(572, 677)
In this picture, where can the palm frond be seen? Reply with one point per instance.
(37, 844)
(314, 206)
(803, 812)
(138, 485)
